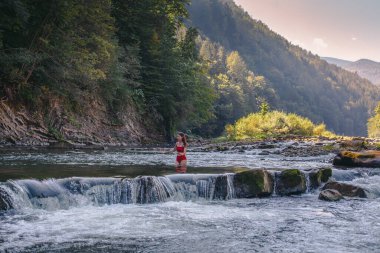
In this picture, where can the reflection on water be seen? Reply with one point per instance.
(58, 164)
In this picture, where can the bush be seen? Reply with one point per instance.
(274, 123)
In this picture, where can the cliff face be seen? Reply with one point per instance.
(92, 125)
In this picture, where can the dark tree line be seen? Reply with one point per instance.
(130, 53)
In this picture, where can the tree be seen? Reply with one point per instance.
(374, 123)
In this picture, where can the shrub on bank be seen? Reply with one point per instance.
(272, 124)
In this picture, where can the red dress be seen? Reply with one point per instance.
(180, 158)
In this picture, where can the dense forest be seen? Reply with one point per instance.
(122, 53)
(303, 83)
(170, 64)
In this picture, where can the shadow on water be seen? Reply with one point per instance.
(45, 171)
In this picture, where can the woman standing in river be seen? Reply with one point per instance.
(180, 147)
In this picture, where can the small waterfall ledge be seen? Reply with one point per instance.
(55, 194)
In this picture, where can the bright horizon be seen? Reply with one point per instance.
(324, 27)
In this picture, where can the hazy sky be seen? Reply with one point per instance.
(346, 29)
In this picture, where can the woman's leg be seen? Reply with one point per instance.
(177, 166)
(183, 166)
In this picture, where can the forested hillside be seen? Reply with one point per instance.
(364, 67)
(303, 82)
(105, 69)
(113, 71)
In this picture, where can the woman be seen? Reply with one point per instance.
(180, 147)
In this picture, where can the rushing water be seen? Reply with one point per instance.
(174, 213)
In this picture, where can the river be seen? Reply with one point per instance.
(71, 201)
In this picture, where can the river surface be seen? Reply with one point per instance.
(94, 218)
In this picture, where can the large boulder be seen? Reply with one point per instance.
(5, 200)
(319, 176)
(330, 195)
(370, 158)
(253, 183)
(290, 182)
(346, 189)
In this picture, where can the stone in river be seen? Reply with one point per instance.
(370, 158)
(346, 189)
(253, 183)
(319, 176)
(330, 195)
(291, 181)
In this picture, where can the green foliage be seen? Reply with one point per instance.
(56, 133)
(238, 90)
(175, 90)
(373, 124)
(272, 124)
(264, 108)
(127, 52)
(304, 84)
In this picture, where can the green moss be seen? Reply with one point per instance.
(254, 179)
(355, 155)
(253, 183)
(325, 174)
(291, 177)
(329, 147)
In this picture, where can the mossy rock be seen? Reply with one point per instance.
(253, 183)
(319, 176)
(291, 181)
(369, 158)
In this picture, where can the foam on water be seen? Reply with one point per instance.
(54, 194)
(272, 224)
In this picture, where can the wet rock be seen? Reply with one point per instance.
(5, 200)
(346, 189)
(253, 183)
(355, 144)
(264, 153)
(222, 148)
(291, 182)
(304, 151)
(266, 146)
(330, 195)
(319, 176)
(369, 158)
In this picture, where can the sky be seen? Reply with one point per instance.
(345, 29)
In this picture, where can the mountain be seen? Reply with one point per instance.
(339, 62)
(303, 83)
(365, 68)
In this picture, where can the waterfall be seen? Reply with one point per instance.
(275, 178)
(55, 194)
(307, 179)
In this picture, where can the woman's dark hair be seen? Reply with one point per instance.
(184, 138)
